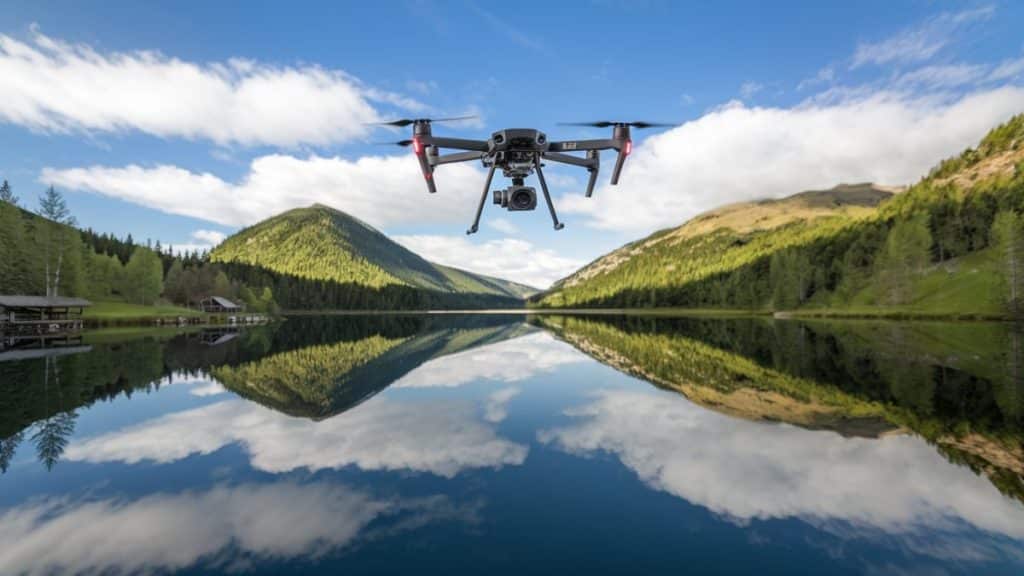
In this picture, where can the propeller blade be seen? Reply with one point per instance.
(407, 121)
(650, 124)
(399, 123)
(402, 143)
(609, 123)
(601, 124)
(453, 119)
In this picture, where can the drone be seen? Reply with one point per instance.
(518, 152)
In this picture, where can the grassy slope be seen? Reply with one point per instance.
(120, 310)
(320, 243)
(718, 241)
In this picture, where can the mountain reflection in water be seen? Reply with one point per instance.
(330, 444)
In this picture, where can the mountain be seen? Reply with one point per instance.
(735, 220)
(933, 249)
(324, 244)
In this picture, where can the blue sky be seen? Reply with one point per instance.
(185, 121)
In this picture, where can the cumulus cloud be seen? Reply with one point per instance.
(441, 438)
(920, 42)
(169, 532)
(209, 236)
(737, 153)
(53, 86)
(496, 409)
(503, 225)
(510, 258)
(381, 190)
(747, 470)
(509, 361)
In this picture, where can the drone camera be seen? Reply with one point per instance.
(516, 198)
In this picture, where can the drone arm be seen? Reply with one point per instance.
(455, 143)
(620, 160)
(578, 145)
(456, 157)
(568, 159)
(592, 163)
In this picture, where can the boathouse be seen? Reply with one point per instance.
(39, 316)
(218, 305)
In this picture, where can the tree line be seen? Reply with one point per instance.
(43, 253)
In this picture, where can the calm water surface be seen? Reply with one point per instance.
(501, 444)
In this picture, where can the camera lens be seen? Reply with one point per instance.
(522, 199)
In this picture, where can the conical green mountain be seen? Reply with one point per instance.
(321, 243)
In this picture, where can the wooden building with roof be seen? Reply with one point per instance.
(40, 316)
(219, 305)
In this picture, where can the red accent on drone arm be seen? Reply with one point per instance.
(421, 154)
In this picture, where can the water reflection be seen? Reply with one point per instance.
(949, 384)
(439, 437)
(226, 527)
(329, 444)
(747, 470)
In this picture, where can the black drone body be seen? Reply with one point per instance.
(518, 153)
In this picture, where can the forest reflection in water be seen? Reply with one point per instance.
(855, 399)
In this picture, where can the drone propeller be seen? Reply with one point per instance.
(608, 124)
(408, 121)
(402, 143)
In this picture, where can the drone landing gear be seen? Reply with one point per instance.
(547, 196)
(483, 198)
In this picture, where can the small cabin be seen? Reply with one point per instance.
(218, 305)
(40, 316)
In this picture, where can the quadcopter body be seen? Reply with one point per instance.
(518, 153)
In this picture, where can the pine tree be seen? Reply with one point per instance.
(7, 195)
(55, 236)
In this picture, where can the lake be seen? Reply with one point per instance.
(507, 444)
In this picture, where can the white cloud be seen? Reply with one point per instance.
(737, 153)
(381, 190)
(442, 438)
(209, 236)
(53, 86)
(824, 76)
(170, 532)
(509, 361)
(920, 42)
(1007, 70)
(510, 258)
(496, 409)
(941, 76)
(748, 89)
(503, 225)
(749, 470)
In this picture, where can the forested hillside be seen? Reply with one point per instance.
(950, 245)
(305, 259)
